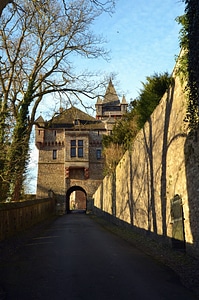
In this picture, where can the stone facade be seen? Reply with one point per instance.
(70, 151)
(162, 166)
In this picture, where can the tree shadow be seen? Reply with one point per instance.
(157, 174)
(191, 151)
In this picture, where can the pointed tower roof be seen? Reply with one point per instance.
(39, 121)
(124, 100)
(111, 95)
(99, 100)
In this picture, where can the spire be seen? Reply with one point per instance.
(99, 100)
(111, 94)
(124, 100)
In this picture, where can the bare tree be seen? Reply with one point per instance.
(106, 5)
(37, 44)
(3, 4)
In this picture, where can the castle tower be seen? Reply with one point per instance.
(110, 106)
(70, 150)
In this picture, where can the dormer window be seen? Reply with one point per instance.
(76, 121)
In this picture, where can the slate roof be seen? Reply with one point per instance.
(74, 118)
(111, 95)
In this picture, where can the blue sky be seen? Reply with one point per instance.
(142, 37)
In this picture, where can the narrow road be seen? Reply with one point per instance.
(75, 258)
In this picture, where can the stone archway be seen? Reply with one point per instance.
(76, 199)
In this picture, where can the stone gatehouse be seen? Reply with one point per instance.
(70, 151)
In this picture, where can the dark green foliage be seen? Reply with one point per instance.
(122, 133)
(4, 143)
(150, 96)
(126, 129)
(18, 150)
(182, 59)
(188, 62)
(183, 34)
(192, 13)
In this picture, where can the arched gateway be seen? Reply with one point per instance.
(70, 150)
(76, 199)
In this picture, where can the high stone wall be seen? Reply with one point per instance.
(162, 163)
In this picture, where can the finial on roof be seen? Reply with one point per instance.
(124, 100)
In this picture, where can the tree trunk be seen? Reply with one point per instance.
(3, 4)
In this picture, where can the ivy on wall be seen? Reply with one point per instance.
(189, 60)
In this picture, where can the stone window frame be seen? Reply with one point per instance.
(80, 148)
(76, 148)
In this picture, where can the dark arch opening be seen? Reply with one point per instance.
(76, 199)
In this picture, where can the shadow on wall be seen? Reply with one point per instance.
(149, 177)
(155, 178)
(42, 192)
(141, 193)
(163, 178)
(192, 176)
(140, 232)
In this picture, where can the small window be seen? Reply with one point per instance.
(55, 132)
(54, 154)
(80, 143)
(73, 148)
(98, 153)
(76, 148)
(76, 122)
(80, 148)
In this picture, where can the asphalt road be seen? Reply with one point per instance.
(75, 258)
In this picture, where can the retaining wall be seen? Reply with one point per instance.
(162, 163)
(17, 216)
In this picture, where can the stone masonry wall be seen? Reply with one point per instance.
(163, 162)
(61, 173)
(18, 216)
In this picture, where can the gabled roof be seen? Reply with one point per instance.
(75, 118)
(39, 121)
(70, 115)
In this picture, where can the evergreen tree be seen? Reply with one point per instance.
(150, 95)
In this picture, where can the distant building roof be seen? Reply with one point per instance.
(110, 105)
(74, 118)
(124, 100)
(111, 95)
(40, 121)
